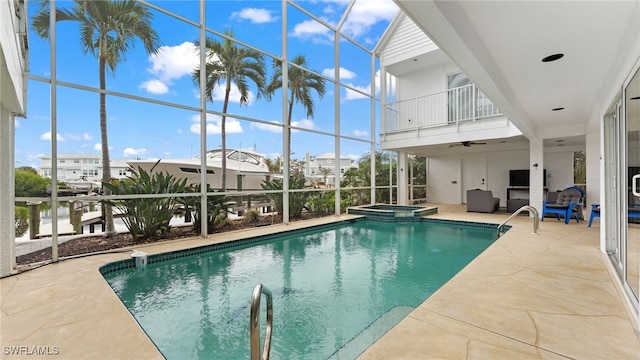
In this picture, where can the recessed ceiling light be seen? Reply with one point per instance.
(557, 109)
(553, 57)
(560, 140)
(415, 59)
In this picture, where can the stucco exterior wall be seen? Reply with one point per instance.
(444, 173)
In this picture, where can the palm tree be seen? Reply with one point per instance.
(325, 173)
(300, 84)
(108, 29)
(227, 64)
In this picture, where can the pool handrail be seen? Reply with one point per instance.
(254, 323)
(524, 208)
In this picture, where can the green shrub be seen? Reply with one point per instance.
(147, 218)
(297, 200)
(22, 220)
(217, 205)
(251, 216)
(29, 183)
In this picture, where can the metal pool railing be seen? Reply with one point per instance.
(254, 323)
(524, 208)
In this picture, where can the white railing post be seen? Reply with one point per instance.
(443, 108)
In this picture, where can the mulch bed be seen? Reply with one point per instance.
(97, 243)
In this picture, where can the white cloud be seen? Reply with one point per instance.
(354, 95)
(84, 136)
(47, 136)
(154, 86)
(98, 147)
(134, 152)
(314, 31)
(232, 126)
(255, 16)
(304, 123)
(345, 74)
(169, 64)
(365, 14)
(234, 95)
(360, 133)
(275, 128)
(174, 62)
(179, 131)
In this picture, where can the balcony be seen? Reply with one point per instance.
(446, 108)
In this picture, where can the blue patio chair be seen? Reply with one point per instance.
(567, 204)
(595, 213)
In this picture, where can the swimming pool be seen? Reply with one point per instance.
(336, 289)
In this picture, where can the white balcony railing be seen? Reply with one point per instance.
(449, 107)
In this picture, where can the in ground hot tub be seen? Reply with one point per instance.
(387, 212)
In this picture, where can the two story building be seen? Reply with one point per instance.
(321, 168)
(432, 108)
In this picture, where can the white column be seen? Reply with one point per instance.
(7, 203)
(593, 171)
(402, 182)
(536, 166)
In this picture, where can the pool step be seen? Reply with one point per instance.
(373, 332)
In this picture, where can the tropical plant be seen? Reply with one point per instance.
(22, 220)
(297, 200)
(251, 216)
(322, 202)
(354, 178)
(217, 208)
(108, 30)
(230, 64)
(147, 217)
(325, 172)
(300, 84)
(274, 165)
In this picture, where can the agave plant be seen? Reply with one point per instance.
(147, 218)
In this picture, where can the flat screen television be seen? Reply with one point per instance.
(520, 178)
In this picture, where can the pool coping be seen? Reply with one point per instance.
(70, 308)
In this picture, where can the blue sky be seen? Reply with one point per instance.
(145, 130)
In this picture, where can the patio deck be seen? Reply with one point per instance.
(540, 296)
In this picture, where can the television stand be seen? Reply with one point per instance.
(518, 197)
(515, 204)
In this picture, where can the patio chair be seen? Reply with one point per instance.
(482, 201)
(595, 213)
(567, 204)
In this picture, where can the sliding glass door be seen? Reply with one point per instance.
(632, 182)
(622, 185)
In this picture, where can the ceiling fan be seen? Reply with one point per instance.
(468, 143)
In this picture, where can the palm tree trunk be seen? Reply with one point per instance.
(223, 135)
(106, 163)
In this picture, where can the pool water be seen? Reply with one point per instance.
(336, 290)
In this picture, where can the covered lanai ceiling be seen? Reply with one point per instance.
(501, 44)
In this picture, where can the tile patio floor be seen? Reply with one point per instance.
(545, 296)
